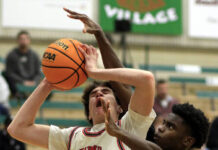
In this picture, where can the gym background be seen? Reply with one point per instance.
(176, 40)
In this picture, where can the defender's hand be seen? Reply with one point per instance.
(89, 25)
(110, 125)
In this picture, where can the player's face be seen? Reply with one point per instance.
(171, 132)
(23, 41)
(96, 112)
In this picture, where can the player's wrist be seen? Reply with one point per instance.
(46, 84)
(118, 133)
(98, 32)
(92, 72)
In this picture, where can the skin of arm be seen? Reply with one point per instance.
(143, 97)
(109, 57)
(132, 141)
(23, 127)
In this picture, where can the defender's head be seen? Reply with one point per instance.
(185, 128)
(91, 100)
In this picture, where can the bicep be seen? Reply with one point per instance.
(123, 93)
(142, 99)
(36, 135)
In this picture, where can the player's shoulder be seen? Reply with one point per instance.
(136, 118)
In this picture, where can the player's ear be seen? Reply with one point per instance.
(188, 141)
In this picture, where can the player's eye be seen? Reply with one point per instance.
(170, 126)
(105, 91)
(92, 93)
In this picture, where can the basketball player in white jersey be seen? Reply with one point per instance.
(136, 121)
(172, 133)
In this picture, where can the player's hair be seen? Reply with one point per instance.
(161, 81)
(88, 90)
(196, 120)
(22, 32)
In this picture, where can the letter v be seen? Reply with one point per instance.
(111, 12)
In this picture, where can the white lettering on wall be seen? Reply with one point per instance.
(161, 17)
(111, 12)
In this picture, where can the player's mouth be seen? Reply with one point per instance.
(98, 103)
(157, 137)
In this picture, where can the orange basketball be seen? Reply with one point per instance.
(63, 64)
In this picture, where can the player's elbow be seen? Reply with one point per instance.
(13, 130)
(147, 78)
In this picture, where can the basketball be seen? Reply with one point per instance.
(63, 64)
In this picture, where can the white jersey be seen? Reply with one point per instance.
(96, 138)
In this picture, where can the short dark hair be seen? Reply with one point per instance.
(161, 81)
(196, 120)
(88, 90)
(22, 32)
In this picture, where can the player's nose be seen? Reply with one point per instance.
(161, 128)
(99, 94)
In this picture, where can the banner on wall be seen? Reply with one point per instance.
(203, 18)
(146, 16)
(44, 14)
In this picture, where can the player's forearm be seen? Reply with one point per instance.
(25, 117)
(109, 57)
(134, 142)
(134, 77)
(111, 60)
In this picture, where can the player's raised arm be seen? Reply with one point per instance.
(132, 141)
(143, 97)
(23, 126)
(109, 57)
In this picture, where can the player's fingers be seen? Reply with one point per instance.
(76, 17)
(70, 11)
(82, 51)
(108, 109)
(104, 105)
(108, 104)
(72, 14)
(84, 47)
(87, 48)
(108, 115)
(93, 49)
(84, 30)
